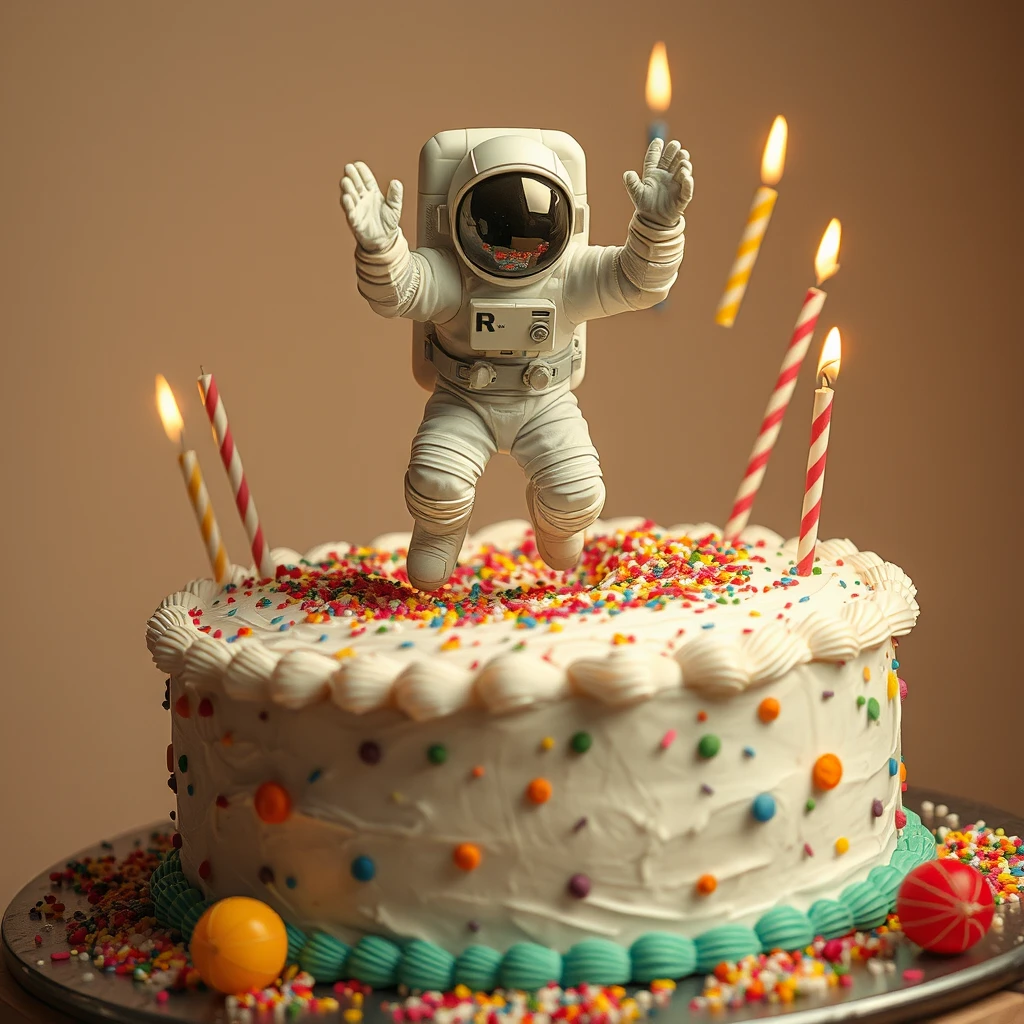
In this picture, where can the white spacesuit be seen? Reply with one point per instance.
(503, 292)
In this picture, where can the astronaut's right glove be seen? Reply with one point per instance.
(372, 217)
(666, 188)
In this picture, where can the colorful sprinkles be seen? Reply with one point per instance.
(639, 568)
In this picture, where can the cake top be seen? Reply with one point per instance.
(647, 609)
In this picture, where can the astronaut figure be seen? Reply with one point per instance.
(500, 296)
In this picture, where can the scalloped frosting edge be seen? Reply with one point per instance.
(422, 966)
(508, 682)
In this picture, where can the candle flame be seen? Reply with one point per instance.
(659, 82)
(831, 357)
(168, 407)
(826, 260)
(773, 161)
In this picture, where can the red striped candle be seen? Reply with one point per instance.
(825, 266)
(236, 474)
(828, 370)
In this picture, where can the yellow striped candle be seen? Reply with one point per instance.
(190, 471)
(772, 163)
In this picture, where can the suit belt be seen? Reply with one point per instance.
(495, 375)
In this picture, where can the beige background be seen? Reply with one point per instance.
(168, 193)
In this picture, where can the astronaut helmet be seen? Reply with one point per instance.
(511, 208)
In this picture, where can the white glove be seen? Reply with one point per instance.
(372, 217)
(667, 185)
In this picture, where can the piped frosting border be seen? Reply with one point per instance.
(713, 663)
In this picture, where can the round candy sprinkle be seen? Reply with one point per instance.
(945, 906)
(709, 745)
(205, 870)
(873, 709)
(205, 708)
(181, 706)
(877, 807)
(539, 791)
(272, 802)
(763, 807)
(183, 763)
(810, 805)
(266, 875)
(707, 884)
(842, 845)
(894, 766)
(547, 743)
(828, 770)
(900, 818)
(768, 709)
(581, 742)
(437, 753)
(467, 856)
(369, 752)
(579, 886)
(363, 869)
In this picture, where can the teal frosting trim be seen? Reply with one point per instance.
(179, 906)
(324, 957)
(530, 966)
(374, 962)
(296, 942)
(726, 942)
(426, 967)
(190, 918)
(887, 880)
(477, 968)
(784, 928)
(830, 919)
(597, 961)
(659, 955)
(868, 906)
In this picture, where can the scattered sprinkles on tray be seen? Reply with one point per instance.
(781, 977)
(999, 857)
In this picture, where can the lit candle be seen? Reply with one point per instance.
(828, 371)
(232, 460)
(773, 161)
(658, 92)
(174, 427)
(825, 265)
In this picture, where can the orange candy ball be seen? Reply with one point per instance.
(828, 770)
(273, 804)
(239, 944)
(707, 884)
(768, 709)
(467, 856)
(539, 791)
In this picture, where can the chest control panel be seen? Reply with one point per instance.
(512, 325)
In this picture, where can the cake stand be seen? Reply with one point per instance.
(87, 994)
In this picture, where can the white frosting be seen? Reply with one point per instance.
(854, 604)
(650, 831)
(639, 812)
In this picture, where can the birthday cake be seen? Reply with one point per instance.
(680, 753)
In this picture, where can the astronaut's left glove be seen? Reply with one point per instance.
(665, 190)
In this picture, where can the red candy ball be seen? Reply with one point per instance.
(945, 906)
